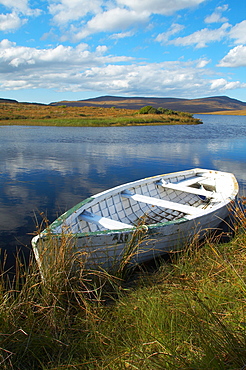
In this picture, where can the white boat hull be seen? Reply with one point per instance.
(142, 220)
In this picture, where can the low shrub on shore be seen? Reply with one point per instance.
(188, 314)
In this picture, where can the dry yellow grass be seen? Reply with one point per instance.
(229, 112)
(62, 115)
(32, 111)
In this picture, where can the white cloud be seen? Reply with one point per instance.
(101, 49)
(79, 69)
(21, 7)
(201, 38)
(205, 36)
(159, 6)
(10, 22)
(235, 58)
(155, 78)
(13, 57)
(71, 10)
(216, 16)
(202, 63)
(90, 17)
(182, 79)
(238, 32)
(164, 37)
(112, 20)
(223, 84)
(65, 11)
(5, 44)
(121, 35)
(13, 20)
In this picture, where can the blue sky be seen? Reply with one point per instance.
(53, 50)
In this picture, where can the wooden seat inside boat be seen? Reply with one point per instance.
(161, 203)
(186, 186)
(106, 222)
(197, 179)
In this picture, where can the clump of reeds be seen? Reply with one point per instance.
(191, 315)
(131, 250)
(45, 313)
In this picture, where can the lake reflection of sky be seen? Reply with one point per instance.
(49, 170)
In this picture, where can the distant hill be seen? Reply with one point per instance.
(203, 105)
(8, 101)
(12, 101)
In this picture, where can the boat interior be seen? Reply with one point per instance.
(146, 203)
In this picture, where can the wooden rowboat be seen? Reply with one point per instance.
(144, 218)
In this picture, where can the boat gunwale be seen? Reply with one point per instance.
(48, 233)
(117, 189)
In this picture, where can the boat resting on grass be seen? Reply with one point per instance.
(141, 220)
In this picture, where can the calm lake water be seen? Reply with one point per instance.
(50, 169)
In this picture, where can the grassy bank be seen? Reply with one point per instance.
(41, 115)
(189, 314)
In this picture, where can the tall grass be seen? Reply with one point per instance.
(188, 314)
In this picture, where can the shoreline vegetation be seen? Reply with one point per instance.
(40, 115)
(186, 313)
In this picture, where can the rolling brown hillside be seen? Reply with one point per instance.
(203, 105)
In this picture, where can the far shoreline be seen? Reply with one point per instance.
(227, 112)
